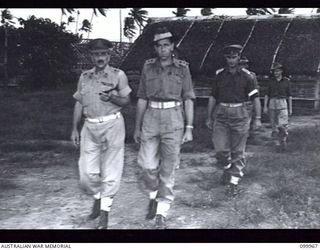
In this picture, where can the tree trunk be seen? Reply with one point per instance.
(120, 45)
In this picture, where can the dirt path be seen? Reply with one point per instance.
(39, 190)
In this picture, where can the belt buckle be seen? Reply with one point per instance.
(100, 119)
(161, 105)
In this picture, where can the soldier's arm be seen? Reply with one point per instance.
(212, 99)
(211, 106)
(77, 114)
(78, 108)
(265, 104)
(123, 98)
(289, 98)
(141, 109)
(257, 107)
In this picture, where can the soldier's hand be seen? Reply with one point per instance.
(209, 123)
(187, 136)
(104, 97)
(136, 135)
(75, 137)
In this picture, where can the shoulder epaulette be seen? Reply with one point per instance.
(182, 63)
(219, 71)
(149, 61)
(114, 69)
(246, 71)
(87, 72)
(286, 78)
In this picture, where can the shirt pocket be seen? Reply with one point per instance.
(175, 84)
(85, 93)
(152, 85)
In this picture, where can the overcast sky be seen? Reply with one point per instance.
(109, 27)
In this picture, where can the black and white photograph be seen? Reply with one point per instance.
(159, 118)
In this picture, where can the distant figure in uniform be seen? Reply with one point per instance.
(102, 92)
(278, 101)
(165, 93)
(232, 86)
(244, 63)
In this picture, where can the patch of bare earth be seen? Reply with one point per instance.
(39, 190)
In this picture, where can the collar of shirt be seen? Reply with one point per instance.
(175, 62)
(238, 70)
(106, 70)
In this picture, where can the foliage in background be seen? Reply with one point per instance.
(46, 52)
(181, 12)
(206, 11)
(137, 18)
(260, 11)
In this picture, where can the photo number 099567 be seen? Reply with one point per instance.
(308, 245)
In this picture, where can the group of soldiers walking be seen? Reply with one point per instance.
(164, 121)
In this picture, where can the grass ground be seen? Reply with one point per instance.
(280, 190)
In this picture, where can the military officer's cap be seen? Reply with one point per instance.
(99, 43)
(233, 49)
(276, 66)
(162, 33)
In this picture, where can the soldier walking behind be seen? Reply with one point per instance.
(102, 92)
(165, 86)
(231, 88)
(278, 101)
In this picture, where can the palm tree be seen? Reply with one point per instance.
(129, 28)
(206, 11)
(181, 12)
(139, 16)
(318, 10)
(260, 11)
(86, 24)
(286, 10)
(6, 21)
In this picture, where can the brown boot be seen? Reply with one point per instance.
(95, 210)
(103, 221)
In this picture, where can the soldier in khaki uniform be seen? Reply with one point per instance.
(278, 101)
(101, 93)
(231, 89)
(165, 93)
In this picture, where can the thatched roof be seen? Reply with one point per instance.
(293, 40)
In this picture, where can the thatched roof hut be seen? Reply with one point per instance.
(293, 40)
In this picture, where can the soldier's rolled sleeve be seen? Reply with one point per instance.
(187, 87)
(142, 85)
(77, 95)
(123, 85)
(252, 89)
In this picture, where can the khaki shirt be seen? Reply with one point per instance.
(169, 83)
(90, 84)
(234, 88)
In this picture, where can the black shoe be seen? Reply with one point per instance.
(225, 178)
(95, 210)
(232, 190)
(152, 209)
(160, 222)
(103, 221)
